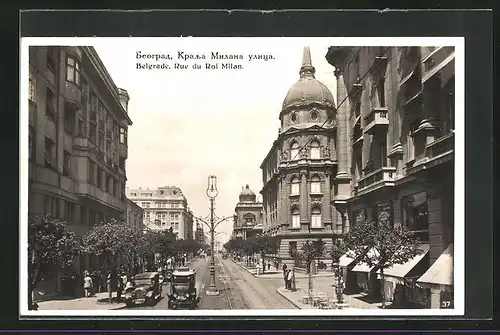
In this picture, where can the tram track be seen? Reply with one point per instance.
(231, 293)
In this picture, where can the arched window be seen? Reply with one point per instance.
(295, 186)
(315, 184)
(249, 219)
(295, 218)
(316, 217)
(294, 151)
(315, 150)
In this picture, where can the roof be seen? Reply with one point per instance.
(308, 89)
(441, 272)
(184, 271)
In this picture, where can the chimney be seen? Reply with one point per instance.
(124, 98)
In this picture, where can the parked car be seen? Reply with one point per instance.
(146, 288)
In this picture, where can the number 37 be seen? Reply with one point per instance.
(445, 304)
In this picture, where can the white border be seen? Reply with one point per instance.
(459, 249)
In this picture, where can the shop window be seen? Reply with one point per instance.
(415, 214)
(383, 213)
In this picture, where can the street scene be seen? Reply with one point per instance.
(239, 176)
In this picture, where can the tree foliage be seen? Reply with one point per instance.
(263, 245)
(378, 244)
(49, 243)
(338, 249)
(310, 251)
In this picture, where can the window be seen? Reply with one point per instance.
(146, 205)
(359, 164)
(72, 70)
(49, 153)
(93, 105)
(295, 218)
(51, 59)
(383, 213)
(81, 132)
(292, 247)
(294, 151)
(99, 178)
(295, 186)
(92, 173)
(411, 140)
(123, 135)
(121, 162)
(32, 143)
(31, 88)
(50, 104)
(69, 120)
(315, 184)
(314, 116)
(116, 188)
(315, 154)
(93, 133)
(109, 183)
(67, 163)
(293, 118)
(383, 153)
(357, 108)
(415, 214)
(381, 91)
(316, 217)
(450, 108)
(249, 219)
(133, 195)
(356, 64)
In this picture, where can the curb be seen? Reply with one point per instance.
(287, 298)
(244, 268)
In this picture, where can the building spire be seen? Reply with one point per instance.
(307, 70)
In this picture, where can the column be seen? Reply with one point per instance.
(280, 203)
(430, 108)
(342, 122)
(326, 212)
(286, 202)
(304, 215)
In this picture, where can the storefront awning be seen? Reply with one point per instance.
(345, 260)
(363, 267)
(401, 270)
(441, 272)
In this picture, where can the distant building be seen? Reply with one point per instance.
(248, 215)
(199, 234)
(166, 207)
(135, 215)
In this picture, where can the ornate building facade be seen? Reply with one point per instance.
(78, 123)
(164, 208)
(300, 169)
(248, 215)
(396, 135)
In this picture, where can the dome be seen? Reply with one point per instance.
(307, 89)
(247, 195)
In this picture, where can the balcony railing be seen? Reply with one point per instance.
(376, 121)
(441, 146)
(376, 179)
(440, 59)
(73, 93)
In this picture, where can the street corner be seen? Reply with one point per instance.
(292, 297)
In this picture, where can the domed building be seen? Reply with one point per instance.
(299, 172)
(248, 215)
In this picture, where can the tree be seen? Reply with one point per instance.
(264, 245)
(113, 239)
(390, 246)
(49, 243)
(336, 252)
(308, 253)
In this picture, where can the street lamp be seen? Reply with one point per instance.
(212, 193)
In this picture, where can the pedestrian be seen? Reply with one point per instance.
(284, 274)
(87, 285)
(119, 287)
(289, 279)
(268, 266)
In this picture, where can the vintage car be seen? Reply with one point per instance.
(146, 288)
(224, 256)
(182, 289)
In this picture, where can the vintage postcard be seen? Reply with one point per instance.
(242, 176)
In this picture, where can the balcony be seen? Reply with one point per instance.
(123, 150)
(436, 152)
(377, 121)
(46, 175)
(82, 143)
(94, 192)
(441, 62)
(67, 184)
(72, 93)
(377, 179)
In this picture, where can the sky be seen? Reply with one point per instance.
(191, 123)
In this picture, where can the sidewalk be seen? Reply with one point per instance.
(323, 285)
(273, 274)
(89, 303)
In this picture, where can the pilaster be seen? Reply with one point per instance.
(304, 197)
